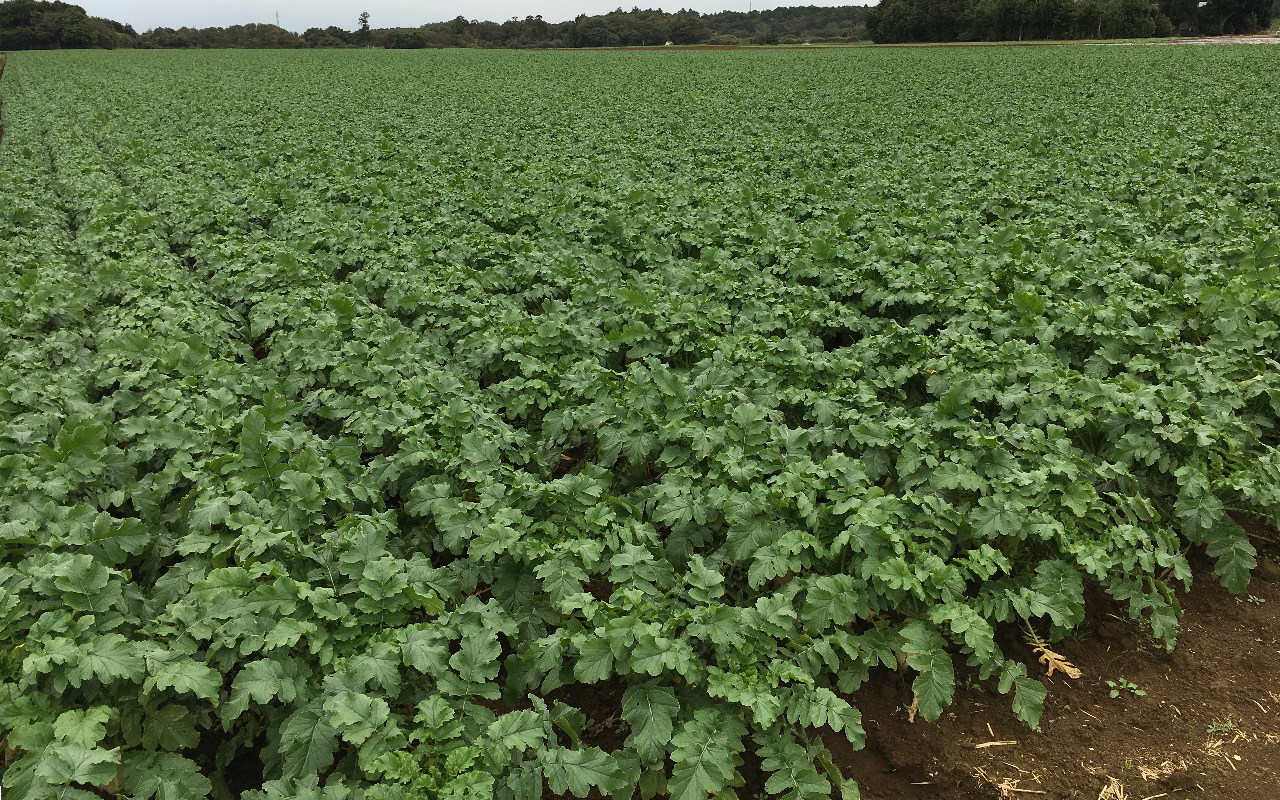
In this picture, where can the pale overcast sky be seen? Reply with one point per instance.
(297, 15)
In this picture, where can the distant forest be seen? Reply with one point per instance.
(30, 25)
(40, 25)
(35, 24)
(1008, 20)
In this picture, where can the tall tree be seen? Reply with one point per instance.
(38, 25)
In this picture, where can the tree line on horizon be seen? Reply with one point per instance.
(900, 21)
(44, 25)
(51, 24)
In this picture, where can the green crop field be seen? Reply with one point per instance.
(367, 415)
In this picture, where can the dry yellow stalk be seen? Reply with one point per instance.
(1051, 660)
(1113, 790)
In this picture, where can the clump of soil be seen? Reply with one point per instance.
(1207, 724)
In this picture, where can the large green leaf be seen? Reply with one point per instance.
(595, 659)
(108, 658)
(477, 658)
(935, 683)
(171, 727)
(1236, 556)
(356, 716)
(71, 763)
(307, 743)
(515, 730)
(1028, 701)
(258, 681)
(185, 677)
(792, 773)
(650, 711)
(577, 771)
(149, 774)
(86, 728)
(705, 757)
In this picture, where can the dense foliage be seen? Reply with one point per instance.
(790, 24)
(252, 36)
(1005, 20)
(32, 24)
(363, 414)
(615, 29)
(39, 25)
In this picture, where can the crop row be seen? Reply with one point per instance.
(368, 415)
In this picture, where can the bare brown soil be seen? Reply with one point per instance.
(1265, 38)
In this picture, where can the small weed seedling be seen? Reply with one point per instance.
(1122, 685)
(1222, 727)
